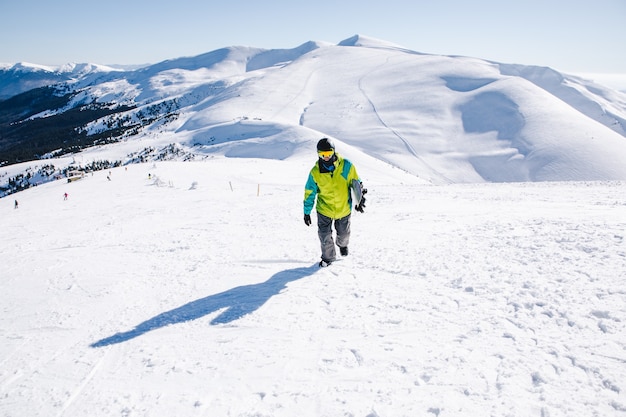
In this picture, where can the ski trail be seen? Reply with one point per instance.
(17, 374)
(303, 91)
(406, 143)
(286, 107)
(82, 386)
(10, 380)
(9, 358)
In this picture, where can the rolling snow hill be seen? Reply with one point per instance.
(445, 119)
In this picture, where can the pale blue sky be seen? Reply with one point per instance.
(567, 35)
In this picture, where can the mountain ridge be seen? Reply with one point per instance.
(446, 119)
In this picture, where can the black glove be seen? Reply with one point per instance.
(307, 219)
(361, 205)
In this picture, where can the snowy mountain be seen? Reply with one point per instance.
(21, 77)
(445, 119)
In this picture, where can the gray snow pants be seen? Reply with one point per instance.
(325, 232)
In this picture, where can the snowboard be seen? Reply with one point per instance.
(357, 192)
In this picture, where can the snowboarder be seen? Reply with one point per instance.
(328, 188)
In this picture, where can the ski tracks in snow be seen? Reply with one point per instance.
(410, 149)
(407, 145)
(83, 383)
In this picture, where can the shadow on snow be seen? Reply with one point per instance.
(237, 301)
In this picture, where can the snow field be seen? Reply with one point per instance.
(176, 294)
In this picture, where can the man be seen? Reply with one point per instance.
(328, 188)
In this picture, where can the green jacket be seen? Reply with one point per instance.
(332, 189)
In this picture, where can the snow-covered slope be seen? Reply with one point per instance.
(444, 119)
(191, 289)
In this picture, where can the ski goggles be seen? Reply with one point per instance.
(326, 154)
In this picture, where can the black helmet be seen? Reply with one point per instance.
(325, 144)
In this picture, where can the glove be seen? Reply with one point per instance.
(361, 205)
(307, 219)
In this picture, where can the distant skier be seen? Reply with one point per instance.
(328, 188)
(65, 196)
(16, 204)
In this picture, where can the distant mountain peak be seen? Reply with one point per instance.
(367, 41)
(71, 68)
